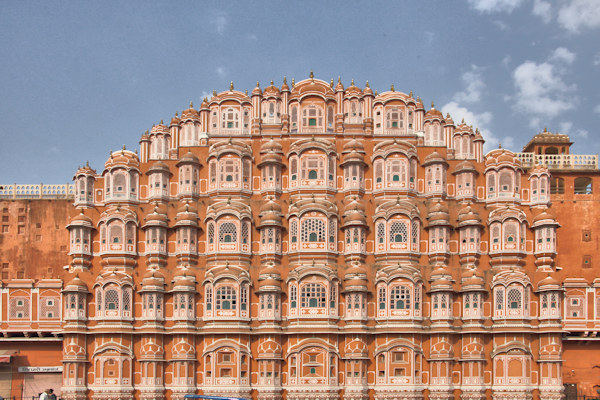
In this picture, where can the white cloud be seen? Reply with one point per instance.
(490, 6)
(563, 54)
(501, 25)
(219, 21)
(506, 60)
(474, 86)
(541, 91)
(252, 36)
(597, 109)
(478, 120)
(221, 71)
(542, 9)
(567, 128)
(579, 14)
(597, 60)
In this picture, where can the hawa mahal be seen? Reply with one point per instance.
(305, 242)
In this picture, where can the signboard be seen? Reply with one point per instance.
(41, 369)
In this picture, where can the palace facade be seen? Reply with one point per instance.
(313, 241)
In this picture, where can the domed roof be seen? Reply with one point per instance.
(472, 282)
(270, 213)
(271, 146)
(188, 158)
(367, 91)
(158, 166)
(159, 129)
(353, 90)
(153, 279)
(187, 214)
(433, 114)
(190, 114)
(468, 216)
(448, 120)
(464, 166)
(549, 283)
(434, 157)
(85, 170)
(256, 91)
(122, 158)
(502, 156)
(76, 284)
(271, 91)
(156, 217)
(270, 206)
(464, 128)
(438, 214)
(353, 145)
(284, 85)
(175, 120)
(81, 220)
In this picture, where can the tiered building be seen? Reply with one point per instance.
(316, 241)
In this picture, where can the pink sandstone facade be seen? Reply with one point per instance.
(313, 241)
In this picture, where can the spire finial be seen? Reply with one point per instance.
(214, 93)
(231, 86)
(499, 145)
(463, 121)
(352, 82)
(410, 94)
(447, 115)
(392, 88)
(271, 82)
(331, 83)
(176, 113)
(124, 148)
(293, 82)
(246, 91)
(191, 104)
(545, 129)
(87, 164)
(285, 80)
(367, 84)
(339, 79)
(432, 104)
(161, 122)
(257, 84)
(145, 133)
(312, 76)
(377, 93)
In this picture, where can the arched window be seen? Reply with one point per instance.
(394, 118)
(228, 233)
(312, 117)
(514, 299)
(313, 295)
(506, 182)
(398, 232)
(400, 298)
(294, 117)
(111, 299)
(226, 298)
(230, 119)
(313, 230)
(583, 185)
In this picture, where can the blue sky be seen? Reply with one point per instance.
(81, 78)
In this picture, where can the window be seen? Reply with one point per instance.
(583, 186)
(400, 298)
(226, 298)
(228, 233)
(313, 295)
(111, 300)
(557, 186)
(398, 232)
(313, 230)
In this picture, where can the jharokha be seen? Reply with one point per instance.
(309, 241)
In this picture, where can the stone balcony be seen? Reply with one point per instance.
(560, 161)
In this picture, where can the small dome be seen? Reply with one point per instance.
(432, 158)
(367, 90)
(175, 120)
(549, 283)
(433, 114)
(190, 113)
(468, 214)
(271, 91)
(256, 91)
(188, 158)
(158, 166)
(465, 166)
(159, 129)
(81, 219)
(353, 145)
(85, 170)
(449, 121)
(76, 284)
(156, 217)
(122, 158)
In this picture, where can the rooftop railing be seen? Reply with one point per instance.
(559, 161)
(40, 191)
